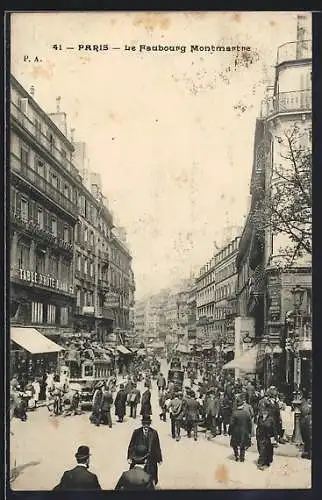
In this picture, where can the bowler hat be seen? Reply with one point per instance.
(146, 419)
(141, 453)
(82, 452)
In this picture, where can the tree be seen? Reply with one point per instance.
(286, 205)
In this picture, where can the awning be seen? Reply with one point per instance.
(123, 350)
(246, 362)
(183, 349)
(33, 341)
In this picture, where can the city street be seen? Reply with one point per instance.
(43, 448)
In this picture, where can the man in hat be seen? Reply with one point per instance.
(265, 430)
(134, 400)
(148, 437)
(212, 412)
(120, 403)
(192, 414)
(79, 478)
(176, 413)
(146, 408)
(240, 430)
(106, 403)
(137, 478)
(96, 407)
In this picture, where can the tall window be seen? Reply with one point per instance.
(37, 310)
(51, 142)
(23, 253)
(85, 266)
(78, 297)
(54, 180)
(54, 226)
(37, 128)
(91, 269)
(24, 209)
(40, 218)
(66, 191)
(64, 316)
(85, 234)
(51, 314)
(90, 299)
(79, 262)
(66, 234)
(53, 265)
(40, 262)
(41, 168)
(24, 155)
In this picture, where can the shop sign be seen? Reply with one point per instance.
(45, 280)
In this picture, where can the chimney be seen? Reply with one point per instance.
(72, 130)
(32, 90)
(58, 99)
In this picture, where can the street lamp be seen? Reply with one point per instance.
(298, 294)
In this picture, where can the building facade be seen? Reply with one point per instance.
(70, 271)
(216, 297)
(267, 279)
(44, 211)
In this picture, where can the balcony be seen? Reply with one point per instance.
(26, 123)
(294, 51)
(34, 180)
(29, 226)
(287, 102)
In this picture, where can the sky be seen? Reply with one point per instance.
(171, 133)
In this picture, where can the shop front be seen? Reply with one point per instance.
(32, 354)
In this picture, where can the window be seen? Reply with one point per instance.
(66, 191)
(24, 209)
(51, 142)
(64, 316)
(54, 180)
(91, 270)
(53, 265)
(37, 309)
(41, 168)
(23, 253)
(78, 297)
(51, 314)
(37, 128)
(40, 218)
(79, 262)
(64, 156)
(85, 266)
(54, 226)
(85, 234)
(92, 239)
(66, 234)
(40, 262)
(23, 105)
(24, 155)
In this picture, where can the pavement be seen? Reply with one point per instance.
(43, 447)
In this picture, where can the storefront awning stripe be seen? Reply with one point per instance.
(33, 341)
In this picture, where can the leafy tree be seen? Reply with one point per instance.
(286, 206)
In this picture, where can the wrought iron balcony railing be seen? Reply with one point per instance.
(32, 227)
(36, 180)
(287, 102)
(294, 51)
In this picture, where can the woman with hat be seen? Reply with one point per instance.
(240, 430)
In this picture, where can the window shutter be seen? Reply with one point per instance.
(13, 200)
(46, 220)
(18, 201)
(29, 204)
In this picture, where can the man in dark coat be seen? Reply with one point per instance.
(96, 408)
(120, 403)
(212, 412)
(146, 409)
(136, 478)
(134, 400)
(79, 478)
(265, 430)
(161, 382)
(226, 412)
(192, 414)
(306, 428)
(106, 403)
(148, 437)
(240, 430)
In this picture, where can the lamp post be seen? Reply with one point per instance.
(298, 294)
